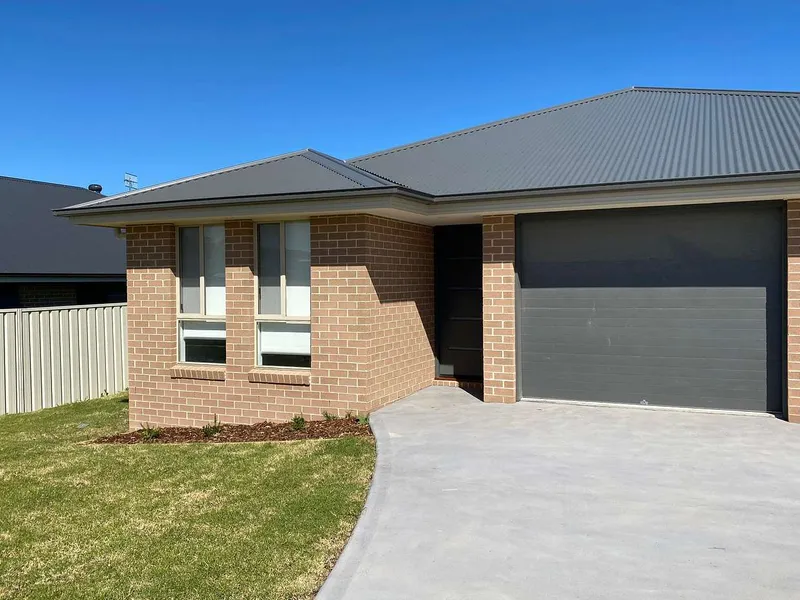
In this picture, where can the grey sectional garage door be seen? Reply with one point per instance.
(677, 306)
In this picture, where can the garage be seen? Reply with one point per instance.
(669, 306)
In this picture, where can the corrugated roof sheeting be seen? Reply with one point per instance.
(34, 241)
(630, 136)
(636, 135)
(304, 171)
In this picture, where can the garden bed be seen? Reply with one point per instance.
(260, 432)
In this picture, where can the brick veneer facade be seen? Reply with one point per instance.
(793, 309)
(499, 312)
(402, 313)
(372, 326)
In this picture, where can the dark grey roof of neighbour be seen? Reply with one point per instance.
(633, 135)
(305, 171)
(35, 242)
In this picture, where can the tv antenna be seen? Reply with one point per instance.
(131, 181)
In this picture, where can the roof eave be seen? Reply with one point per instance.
(239, 200)
(411, 206)
(616, 186)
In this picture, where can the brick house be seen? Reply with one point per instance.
(638, 247)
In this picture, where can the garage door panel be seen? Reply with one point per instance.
(680, 306)
(658, 293)
(650, 336)
(699, 364)
(704, 272)
(725, 323)
(746, 396)
(555, 351)
(686, 398)
(590, 314)
(672, 301)
(739, 377)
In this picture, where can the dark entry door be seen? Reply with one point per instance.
(673, 306)
(459, 301)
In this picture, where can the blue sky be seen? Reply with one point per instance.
(89, 90)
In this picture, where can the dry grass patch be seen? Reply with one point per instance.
(158, 521)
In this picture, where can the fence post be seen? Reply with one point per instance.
(19, 362)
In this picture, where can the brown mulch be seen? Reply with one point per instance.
(260, 432)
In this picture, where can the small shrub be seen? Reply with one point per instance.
(212, 429)
(348, 415)
(298, 423)
(363, 419)
(328, 416)
(149, 433)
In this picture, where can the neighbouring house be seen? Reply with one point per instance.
(639, 247)
(46, 261)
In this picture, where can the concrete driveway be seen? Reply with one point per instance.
(479, 501)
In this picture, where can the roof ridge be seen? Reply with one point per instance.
(720, 91)
(332, 170)
(36, 181)
(489, 125)
(166, 184)
(349, 168)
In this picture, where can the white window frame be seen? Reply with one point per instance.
(274, 318)
(201, 316)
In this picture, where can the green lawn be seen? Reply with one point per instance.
(145, 521)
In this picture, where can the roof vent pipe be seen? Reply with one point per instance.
(96, 187)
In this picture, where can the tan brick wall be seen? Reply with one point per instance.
(402, 344)
(499, 349)
(341, 301)
(793, 309)
(367, 273)
(372, 309)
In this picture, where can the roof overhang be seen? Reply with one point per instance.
(408, 205)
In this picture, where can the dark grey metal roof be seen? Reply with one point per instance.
(633, 135)
(305, 171)
(35, 242)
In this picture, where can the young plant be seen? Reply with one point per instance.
(212, 429)
(149, 433)
(298, 423)
(363, 419)
(328, 416)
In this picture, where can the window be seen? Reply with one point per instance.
(284, 294)
(201, 313)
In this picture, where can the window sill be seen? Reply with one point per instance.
(280, 376)
(205, 372)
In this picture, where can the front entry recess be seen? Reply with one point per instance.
(459, 301)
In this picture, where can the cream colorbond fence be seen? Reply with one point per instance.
(54, 356)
